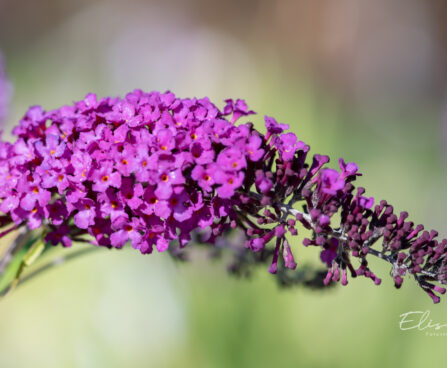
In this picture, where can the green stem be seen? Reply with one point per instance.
(53, 263)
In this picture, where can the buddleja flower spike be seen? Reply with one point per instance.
(155, 171)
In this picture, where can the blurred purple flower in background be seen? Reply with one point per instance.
(5, 92)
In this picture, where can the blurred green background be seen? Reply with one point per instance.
(364, 80)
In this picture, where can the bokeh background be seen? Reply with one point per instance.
(359, 79)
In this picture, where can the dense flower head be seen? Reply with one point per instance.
(152, 169)
(5, 91)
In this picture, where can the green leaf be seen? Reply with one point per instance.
(33, 253)
(24, 257)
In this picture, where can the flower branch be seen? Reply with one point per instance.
(152, 170)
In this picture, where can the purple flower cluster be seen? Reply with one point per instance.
(151, 169)
(148, 169)
(5, 92)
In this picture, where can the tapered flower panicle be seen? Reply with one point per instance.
(153, 169)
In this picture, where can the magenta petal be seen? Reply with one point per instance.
(119, 238)
(163, 191)
(162, 244)
(34, 222)
(184, 215)
(115, 180)
(225, 191)
(28, 202)
(83, 219)
(162, 209)
(135, 237)
(44, 197)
